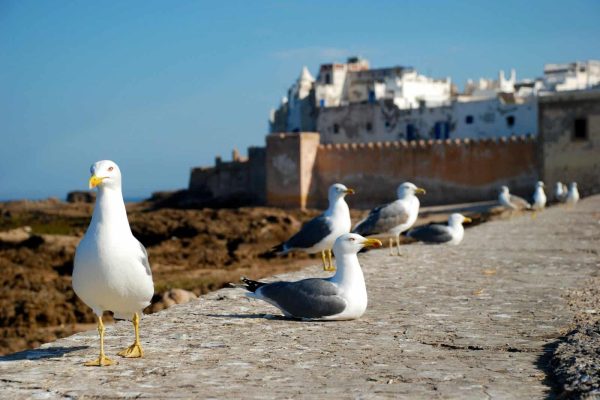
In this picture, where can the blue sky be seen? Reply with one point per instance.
(162, 86)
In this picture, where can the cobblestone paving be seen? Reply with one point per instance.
(472, 321)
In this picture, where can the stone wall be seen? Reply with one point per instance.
(452, 171)
(241, 180)
(563, 156)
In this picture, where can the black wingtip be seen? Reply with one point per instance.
(277, 249)
(251, 285)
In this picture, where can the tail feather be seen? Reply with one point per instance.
(251, 285)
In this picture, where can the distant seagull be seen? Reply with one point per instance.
(511, 201)
(539, 197)
(573, 195)
(393, 218)
(320, 233)
(452, 233)
(560, 192)
(341, 297)
(111, 270)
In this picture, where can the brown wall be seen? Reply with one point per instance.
(562, 157)
(243, 179)
(289, 168)
(452, 171)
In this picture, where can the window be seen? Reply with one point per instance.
(336, 128)
(469, 119)
(510, 121)
(580, 132)
(387, 124)
(327, 79)
(369, 127)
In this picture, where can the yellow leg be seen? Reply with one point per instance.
(324, 260)
(330, 267)
(102, 360)
(391, 246)
(135, 350)
(398, 244)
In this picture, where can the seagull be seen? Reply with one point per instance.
(452, 233)
(393, 218)
(573, 194)
(539, 197)
(511, 201)
(560, 192)
(111, 270)
(320, 233)
(341, 297)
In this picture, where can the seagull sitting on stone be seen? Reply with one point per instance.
(511, 201)
(320, 233)
(452, 233)
(395, 217)
(341, 297)
(111, 270)
(539, 197)
(573, 194)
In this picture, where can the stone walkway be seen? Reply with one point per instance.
(472, 321)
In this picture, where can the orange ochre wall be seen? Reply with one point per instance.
(452, 171)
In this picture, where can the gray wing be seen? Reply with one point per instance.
(144, 259)
(519, 202)
(381, 219)
(308, 298)
(310, 234)
(434, 233)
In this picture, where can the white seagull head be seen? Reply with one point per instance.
(540, 184)
(408, 189)
(573, 185)
(504, 190)
(458, 219)
(105, 174)
(337, 191)
(352, 243)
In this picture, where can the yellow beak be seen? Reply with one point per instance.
(372, 243)
(95, 181)
(349, 191)
(467, 219)
(420, 191)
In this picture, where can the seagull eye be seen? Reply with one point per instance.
(110, 169)
(351, 239)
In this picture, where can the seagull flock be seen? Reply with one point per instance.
(112, 273)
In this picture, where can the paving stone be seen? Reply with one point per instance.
(469, 322)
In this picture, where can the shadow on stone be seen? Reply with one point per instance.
(543, 363)
(38, 354)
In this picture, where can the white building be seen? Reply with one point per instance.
(578, 75)
(352, 103)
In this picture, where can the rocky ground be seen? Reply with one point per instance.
(510, 313)
(191, 251)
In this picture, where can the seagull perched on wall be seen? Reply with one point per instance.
(341, 297)
(452, 233)
(395, 217)
(560, 192)
(511, 201)
(111, 270)
(320, 233)
(573, 194)
(539, 197)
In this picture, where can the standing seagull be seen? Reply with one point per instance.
(573, 195)
(452, 233)
(560, 192)
(393, 218)
(320, 233)
(111, 270)
(539, 197)
(341, 297)
(511, 201)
